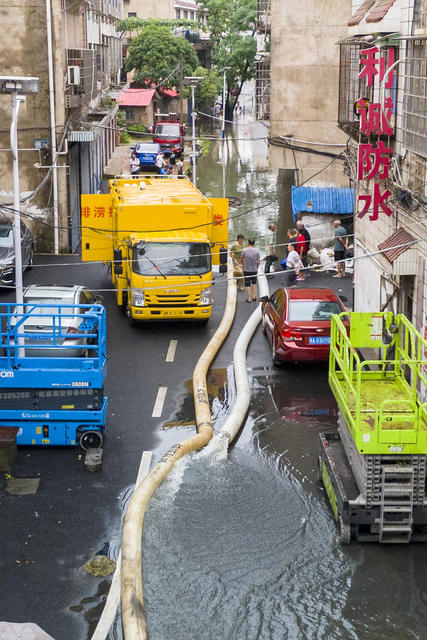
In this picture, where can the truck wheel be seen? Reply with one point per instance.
(344, 531)
(91, 440)
(124, 303)
(131, 321)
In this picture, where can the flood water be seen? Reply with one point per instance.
(241, 545)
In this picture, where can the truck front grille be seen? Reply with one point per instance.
(171, 300)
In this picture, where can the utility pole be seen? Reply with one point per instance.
(224, 88)
(17, 87)
(193, 81)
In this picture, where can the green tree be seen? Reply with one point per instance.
(210, 87)
(231, 24)
(156, 55)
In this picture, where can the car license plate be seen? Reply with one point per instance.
(319, 340)
(147, 158)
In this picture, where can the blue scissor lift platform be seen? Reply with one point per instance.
(52, 372)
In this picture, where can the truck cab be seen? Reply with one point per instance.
(169, 131)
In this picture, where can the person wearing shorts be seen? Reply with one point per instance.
(340, 246)
(251, 258)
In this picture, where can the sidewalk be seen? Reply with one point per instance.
(119, 162)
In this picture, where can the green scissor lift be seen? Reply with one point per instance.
(374, 468)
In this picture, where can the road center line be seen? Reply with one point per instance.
(170, 356)
(160, 400)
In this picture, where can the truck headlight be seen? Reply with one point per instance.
(138, 297)
(206, 297)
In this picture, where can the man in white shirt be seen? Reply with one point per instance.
(293, 265)
(160, 162)
(134, 164)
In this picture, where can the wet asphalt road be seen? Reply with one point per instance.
(47, 537)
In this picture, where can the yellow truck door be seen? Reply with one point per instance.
(97, 227)
(219, 226)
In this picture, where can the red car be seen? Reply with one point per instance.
(297, 322)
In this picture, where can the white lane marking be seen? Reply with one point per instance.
(170, 356)
(160, 400)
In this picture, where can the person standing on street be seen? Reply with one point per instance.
(292, 237)
(293, 265)
(251, 258)
(270, 248)
(236, 255)
(135, 165)
(340, 246)
(160, 162)
(304, 232)
(180, 166)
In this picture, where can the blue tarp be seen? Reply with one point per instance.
(322, 200)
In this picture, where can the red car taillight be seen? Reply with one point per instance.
(289, 335)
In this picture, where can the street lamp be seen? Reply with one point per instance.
(193, 81)
(224, 87)
(18, 88)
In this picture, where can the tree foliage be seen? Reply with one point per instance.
(136, 24)
(231, 24)
(157, 56)
(210, 87)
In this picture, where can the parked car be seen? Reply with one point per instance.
(147, 153)
(297, 323)
(7, 251)
(54, 330)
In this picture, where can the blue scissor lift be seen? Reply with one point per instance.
(52, 381)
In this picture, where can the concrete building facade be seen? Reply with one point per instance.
(390, 248)
(297, 83)
(85, 63)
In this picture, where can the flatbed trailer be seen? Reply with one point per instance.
(374, 468)
(54, 400)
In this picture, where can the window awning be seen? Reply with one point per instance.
(392, 247)
(371, 10)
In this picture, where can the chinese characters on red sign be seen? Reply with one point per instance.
(375, 118)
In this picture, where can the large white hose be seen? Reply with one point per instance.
(133, 614)
(243, 390)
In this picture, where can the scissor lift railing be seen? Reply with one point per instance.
(381, 398)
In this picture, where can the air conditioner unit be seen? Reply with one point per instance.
(74, 75)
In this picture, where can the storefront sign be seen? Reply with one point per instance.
(375, 119)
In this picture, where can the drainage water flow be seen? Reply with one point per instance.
(240, 552)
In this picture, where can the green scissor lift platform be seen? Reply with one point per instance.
(374, 468)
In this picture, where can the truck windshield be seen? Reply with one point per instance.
(171, 130)
(171, 258)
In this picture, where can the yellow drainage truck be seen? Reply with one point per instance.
(160, 236)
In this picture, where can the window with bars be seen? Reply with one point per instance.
(352, 88)
(414, 127)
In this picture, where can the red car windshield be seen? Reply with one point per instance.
(169, 130)
(306, 310)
